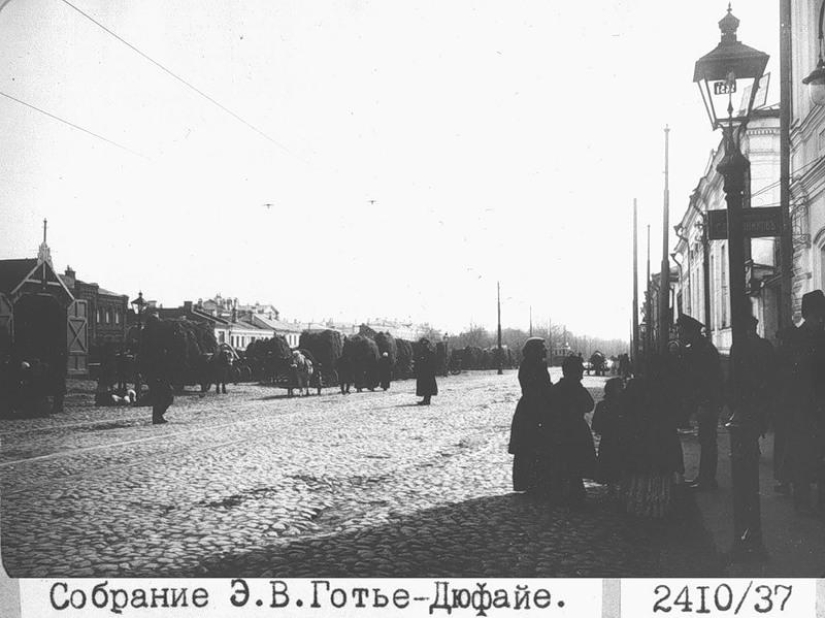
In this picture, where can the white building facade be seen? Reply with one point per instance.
(807, 160)
(703, 288)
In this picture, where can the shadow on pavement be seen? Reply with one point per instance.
(501, 536)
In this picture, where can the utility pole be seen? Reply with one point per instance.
(785, 94)
(664, 283)
(635, 328)
(648, 303)
(531, 320)
(498, 294)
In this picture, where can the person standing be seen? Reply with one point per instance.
(425, 384)
(385, 370)
(571, 401)
(607, 422)
(344, 370)
(529, 429)
(703, 390)
(803, 367)
(651, 455)
(155, 362)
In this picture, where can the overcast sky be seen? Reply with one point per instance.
(413, 153)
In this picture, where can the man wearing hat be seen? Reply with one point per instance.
(703, 390)
(802, 371)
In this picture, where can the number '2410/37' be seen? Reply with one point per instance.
(722, 598)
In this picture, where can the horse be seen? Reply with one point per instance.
(217, 369)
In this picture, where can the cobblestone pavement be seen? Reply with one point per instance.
(257, 484)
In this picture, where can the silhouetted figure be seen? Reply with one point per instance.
(703, 392)
(529, 431)
(344, 370)
(155, 362)
(571, 402)
(651, 454)
(624, 366)
(607, 423)
(803, 359)
(425, 369)
(385, 370)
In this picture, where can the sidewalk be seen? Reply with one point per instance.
(795, 544)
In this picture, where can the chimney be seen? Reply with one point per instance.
(69, 278)
(187, 306)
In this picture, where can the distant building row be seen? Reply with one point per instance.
(93, 317)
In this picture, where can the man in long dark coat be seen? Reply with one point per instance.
(425, 384)
(385, 371)
(703, 389)
(155, 362)
(802, 358)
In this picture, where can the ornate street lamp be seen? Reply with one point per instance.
(138, 305)
(816, 80)
(728, 79)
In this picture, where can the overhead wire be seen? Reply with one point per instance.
(73, 125)
(179, 78)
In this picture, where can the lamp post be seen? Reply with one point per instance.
(816, 80)
(728, 79)
(138, 305)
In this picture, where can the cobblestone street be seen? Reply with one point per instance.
(257, 484)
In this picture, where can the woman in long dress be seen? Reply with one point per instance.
(528, 431)
(652, 453)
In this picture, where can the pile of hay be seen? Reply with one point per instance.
(187, 342)
(264, 357)
(403, 360)
(325, 347)
(276, 347)
(362, 353)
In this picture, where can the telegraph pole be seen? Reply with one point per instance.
(648, 303)
(635, 330)
(785, 243)
(498, 294)
(664, 283)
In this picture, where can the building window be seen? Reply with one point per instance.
(117, 316)
(108, 316)
(99, 315)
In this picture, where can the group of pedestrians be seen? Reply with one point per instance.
(550, 438)
(640, 454)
